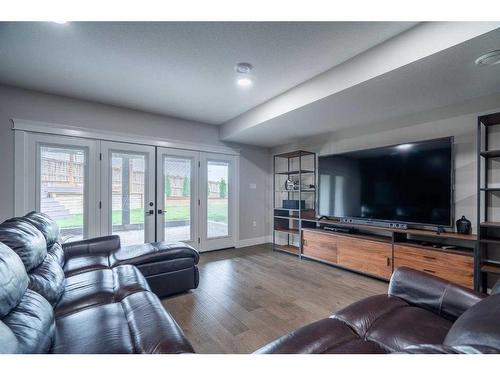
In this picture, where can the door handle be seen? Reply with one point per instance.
(150, 212)
(160, 212)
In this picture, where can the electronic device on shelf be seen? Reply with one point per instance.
(383, 224)
(334, 228)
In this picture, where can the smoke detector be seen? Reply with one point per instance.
(489, 59)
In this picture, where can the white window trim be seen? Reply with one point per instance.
(103, 135)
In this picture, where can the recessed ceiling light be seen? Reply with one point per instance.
(244, 82)
(489, 59)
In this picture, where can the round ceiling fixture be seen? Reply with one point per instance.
(489, 59)
(243, 68)
(244, 82)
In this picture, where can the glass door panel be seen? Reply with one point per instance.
(63, 176)
(176, 195)
(217, 199)
(217, 208)
(128, 207)
(128, 197)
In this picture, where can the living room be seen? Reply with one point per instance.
(243, 185)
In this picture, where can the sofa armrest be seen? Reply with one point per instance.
(446, 349)
(92, 246)
(432, 293)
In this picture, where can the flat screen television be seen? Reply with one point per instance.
(409, 183)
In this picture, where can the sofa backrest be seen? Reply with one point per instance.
(478, 326)
(43, 264)
(50, 231)
(26, 319)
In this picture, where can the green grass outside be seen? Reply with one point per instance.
(175, 211)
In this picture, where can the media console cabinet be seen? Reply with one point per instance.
(378, 251)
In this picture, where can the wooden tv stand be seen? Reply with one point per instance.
(377, 252)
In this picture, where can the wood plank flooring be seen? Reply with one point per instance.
(250, 296)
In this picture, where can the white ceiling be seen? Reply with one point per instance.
(448, 78)
(179, 69)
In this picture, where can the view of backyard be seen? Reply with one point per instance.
(175, 210)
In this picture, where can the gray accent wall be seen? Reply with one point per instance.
(462, 128)
(255, 171)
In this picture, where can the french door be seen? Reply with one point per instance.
(217, 201)
(128, 206)
(141, 193)
(195, 198)
(177, 195)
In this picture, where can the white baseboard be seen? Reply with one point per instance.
(254, 241)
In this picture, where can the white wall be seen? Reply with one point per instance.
(36, 106)
(462, 128)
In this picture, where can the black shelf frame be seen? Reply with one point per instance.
(482, 266)
(297, 218)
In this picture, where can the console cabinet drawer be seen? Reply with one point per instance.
(371, 257)
(456, 268)
(320, 246)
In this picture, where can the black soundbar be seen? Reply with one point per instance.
(333, 228)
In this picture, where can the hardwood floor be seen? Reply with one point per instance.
(250, 296)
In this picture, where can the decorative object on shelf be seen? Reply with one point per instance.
(464, 226)
(289, 184)
(293, 204)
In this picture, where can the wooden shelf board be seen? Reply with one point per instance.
(294, 154)
(491, 119)
(490, 240)
(490, 154)
(490, 268)
(286, 217)
(491, 224)
(292, 231)
(295, 191)
(303, 171)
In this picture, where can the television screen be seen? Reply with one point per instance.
(407, 183)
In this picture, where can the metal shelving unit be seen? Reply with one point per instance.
(299, 166)
(487, 257)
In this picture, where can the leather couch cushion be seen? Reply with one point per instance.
(13, 280)
(56, 251)
(392, 323)
(480, 325)
(155, 268)
(27, 241)
(48, 280)
(100, 287)
(408, 326)
(46, 225)
(79, 264)
(32, 324)
(46, 276)
(432, 293)
(152, 252)
(136, 324)
(361, 315)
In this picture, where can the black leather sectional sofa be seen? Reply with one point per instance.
(91, 296)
